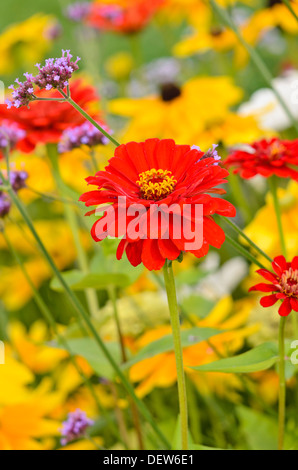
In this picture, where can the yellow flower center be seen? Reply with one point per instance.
(156, 184)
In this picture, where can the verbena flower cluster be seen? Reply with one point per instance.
(85, 134)
(75, 426)
(54, 74)
(78, 11)
(18, 181)
(10, 134)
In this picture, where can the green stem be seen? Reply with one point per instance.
(274, 187)
(244, 252)
(89, 118)
(175, 321)
(288, 4)
(45, 311)
(81, 313)
(134, 410)
(240, 198)
(256, 58)
(282, 385)
(71, 218)
(243, 235)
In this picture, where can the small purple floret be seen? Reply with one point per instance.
(10, 134)
(56, 72)
(5, 205)
(78, 11)
(211, 153)
(75, 426)
(85, 134)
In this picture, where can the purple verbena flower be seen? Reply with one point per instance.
(18, 179)
(23, 94)
(10, 134)
(75, 426)
(78, 11)
(53, 31)
(5, 205)
(56, 72)
(211, 153)
(85, 134)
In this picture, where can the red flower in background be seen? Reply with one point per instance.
(283, 285)
(158, 172)
(123, 19)
(266, 158)
(45, 121)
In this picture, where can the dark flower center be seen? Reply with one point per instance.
(170, 91)
(216, 31)
(271, 3)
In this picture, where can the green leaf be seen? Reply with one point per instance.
(88, 348)
(177, 438)
(165, 344)
(79, 281)
(260, 358)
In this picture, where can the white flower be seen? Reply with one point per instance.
(265, 106)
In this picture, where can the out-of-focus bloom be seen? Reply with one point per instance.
(160, 370)
(75, 427)
(78, 11)
(153, 173)
(207, 37)
(18, 179)
(283, 285)
(24, 43)
(85, 134)
(25, 412)
(58, 240)
(5, 205)
(53, 31)
(176, 104)
(45, 121)
(10, 134)
(266, 158)
(120, 65)
(128, 18)
(265, 107)
(31, 348)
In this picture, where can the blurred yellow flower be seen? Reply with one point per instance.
(32, 349)
(160, 370)
(25, 412)
(23, 44)
(58, 239)
(119, 66)
(198, 113)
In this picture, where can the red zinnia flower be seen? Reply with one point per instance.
(266, 158)
(284, 285)
(45, 121)
(154, 173)
(123, 19)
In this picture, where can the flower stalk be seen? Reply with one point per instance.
(282, 385)
(274, 187)
(175, 322)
